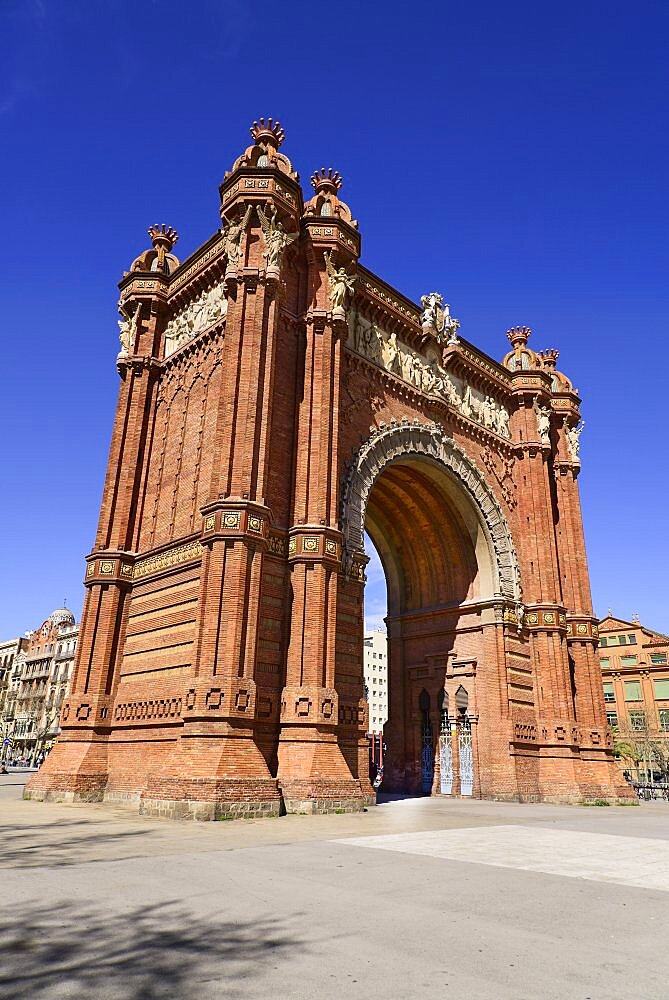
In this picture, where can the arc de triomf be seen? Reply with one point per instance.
(276, 400)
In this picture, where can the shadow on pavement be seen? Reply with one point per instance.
(60, 842)
(153, 951)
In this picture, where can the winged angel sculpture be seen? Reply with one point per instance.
(276, 238)
(234, 232)
(341, 284)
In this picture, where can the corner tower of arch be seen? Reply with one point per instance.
(276, 400)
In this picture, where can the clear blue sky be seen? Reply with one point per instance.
(512, 155)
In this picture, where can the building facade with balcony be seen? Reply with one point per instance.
(9, 652)
(40, 681)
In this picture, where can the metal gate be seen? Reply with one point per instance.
(446, 758)
(466, 757)
(427, 759)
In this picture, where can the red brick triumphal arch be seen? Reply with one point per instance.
(276, 400)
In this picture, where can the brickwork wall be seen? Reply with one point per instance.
(220, 664)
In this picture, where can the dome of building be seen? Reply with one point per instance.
(61, 616)
(522, 357)
(326, 202)
(559, 381)
(160, 258)
(267, 137)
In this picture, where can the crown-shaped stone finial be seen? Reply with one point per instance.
(519, 335)
(326, 180)
(163, 237)
(549, 358)
(270, 132)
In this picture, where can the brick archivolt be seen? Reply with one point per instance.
(409, 439)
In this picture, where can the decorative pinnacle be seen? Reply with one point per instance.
(549, 358)
(326, 180)
(163, 237)
(270, 132)
(519, 335)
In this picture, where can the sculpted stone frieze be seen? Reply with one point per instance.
(426, 374)
(210, 307)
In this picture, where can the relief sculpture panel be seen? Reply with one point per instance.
(208, 308)
(426, 374)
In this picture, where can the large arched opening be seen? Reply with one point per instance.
(449, 566)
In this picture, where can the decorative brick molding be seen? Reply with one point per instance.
(551, 618)
(581, 629)
(408, 438)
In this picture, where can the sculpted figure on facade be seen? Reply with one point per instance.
(543, 414)
(127, 328)
(436, 317)
(276, 238)
(432, 316)
(208, 308)
(233, 235)
(573, 443)
(340, 284)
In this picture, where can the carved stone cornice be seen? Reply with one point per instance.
(196, 263)
(137, 364)
(325, 233)
(258, 184)
(480, 371)
(137, 285)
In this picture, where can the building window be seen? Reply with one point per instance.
(604, 661)
(658, 658)
(612, 719)
(628, 661)
(632, 640)
(609, 695)
(603, 641)
(661, 688)
(664, 719)
(638, 721)
(622, 640)
(632, 690)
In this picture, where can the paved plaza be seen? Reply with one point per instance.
(414, 898)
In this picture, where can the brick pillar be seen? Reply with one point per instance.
(76, 768)
(313, 772)
(597, 771)
(545, 617)
(217, 767)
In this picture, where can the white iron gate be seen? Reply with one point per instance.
(466, 757)
(446, 758)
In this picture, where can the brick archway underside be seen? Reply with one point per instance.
(387, 465)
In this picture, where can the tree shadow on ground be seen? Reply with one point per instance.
(61, 842)
(83, 953)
